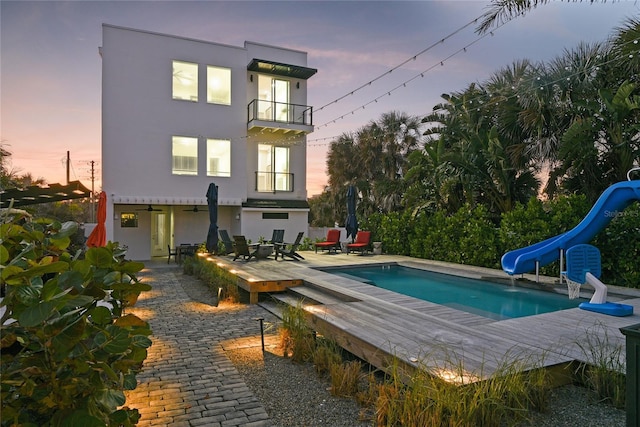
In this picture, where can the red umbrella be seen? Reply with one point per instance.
(98, 236)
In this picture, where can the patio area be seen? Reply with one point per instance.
(378, 325)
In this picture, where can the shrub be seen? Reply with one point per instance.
(469, 236)
(619, 245)
(213, 276)
(466, 237)
(68, 349)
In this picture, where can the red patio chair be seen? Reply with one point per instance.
(362, 243)
(332, 242)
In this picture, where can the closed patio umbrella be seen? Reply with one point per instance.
(212, 202)
(98, 236)
(351, 224)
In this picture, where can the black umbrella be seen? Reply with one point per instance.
(351, 224)
(212, 202)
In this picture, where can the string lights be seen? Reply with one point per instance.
(317, 142)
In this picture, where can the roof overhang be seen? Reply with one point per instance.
(35, 194)
(279, 69)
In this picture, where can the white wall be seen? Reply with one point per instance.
(139, 117)
(254, 227)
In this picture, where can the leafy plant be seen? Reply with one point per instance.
(69, 351)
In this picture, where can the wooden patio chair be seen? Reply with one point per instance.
(277, 237)
(289, 249)
(242, 249)
(226, 241)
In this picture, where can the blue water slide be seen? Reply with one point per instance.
(612, 201)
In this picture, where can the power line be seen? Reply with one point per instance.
(594, 68)
(412, 58)
(404, 84)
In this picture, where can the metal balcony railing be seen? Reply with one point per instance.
(273, 182)
(280, 112)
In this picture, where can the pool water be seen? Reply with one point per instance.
(487, 299)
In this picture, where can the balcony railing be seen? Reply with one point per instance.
(280, 112)
(272, 182)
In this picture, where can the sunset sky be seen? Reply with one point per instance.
(50, 70)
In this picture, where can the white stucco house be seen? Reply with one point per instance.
(179, 114)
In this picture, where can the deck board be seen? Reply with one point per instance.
(375, 323)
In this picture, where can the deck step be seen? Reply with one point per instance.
(315, 295)
(272, 306)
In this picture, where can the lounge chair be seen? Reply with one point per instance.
(226, 241)
(362, 242)
(289, 250)
(278, 237)
(242, 249)
(332, 242)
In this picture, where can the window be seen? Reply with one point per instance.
(185, 81)
(218, 157)
(273, 99)
(129, 219)
(185, 155)
(273, 169)
(275, 215)
(218, 85)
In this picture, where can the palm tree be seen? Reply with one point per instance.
(501, 11)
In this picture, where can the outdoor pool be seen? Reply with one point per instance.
(487, 299)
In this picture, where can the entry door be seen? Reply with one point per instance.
(159, 233)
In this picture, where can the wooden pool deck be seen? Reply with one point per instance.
(376, 324)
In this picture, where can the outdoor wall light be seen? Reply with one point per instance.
(297, 85)
(238, 217)
(116, 216)
(251, 77)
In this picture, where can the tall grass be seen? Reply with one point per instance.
(326, 354)
(428, 399)
(296, 338)
(604, 372)
(345, 378)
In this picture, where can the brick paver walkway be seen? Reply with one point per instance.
(187, 380)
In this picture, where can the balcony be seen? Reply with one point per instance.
(273, 182)
(279, 117)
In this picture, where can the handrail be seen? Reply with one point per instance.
(280, 112)
(629, 173)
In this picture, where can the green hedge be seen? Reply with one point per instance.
(470, 237)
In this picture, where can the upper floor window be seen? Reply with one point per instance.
(218, 157)
(273, 99)
(185, 155)
(218, 85)
(273, 169)
(185, 81)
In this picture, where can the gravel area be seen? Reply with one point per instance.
(294, 395)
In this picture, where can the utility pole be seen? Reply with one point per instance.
(68, 165)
